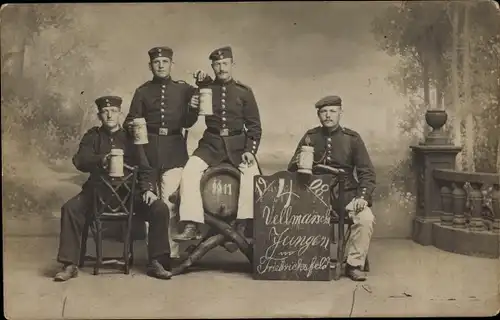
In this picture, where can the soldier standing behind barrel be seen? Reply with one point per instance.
(166, 105)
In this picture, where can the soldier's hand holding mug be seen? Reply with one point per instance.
(195, 101)
(105, 161)
(200, 75)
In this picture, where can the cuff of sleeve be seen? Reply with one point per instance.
(252, 146)
(146, 185)
(195, 111)
(150, 187)
(99, 160)
(362, 193)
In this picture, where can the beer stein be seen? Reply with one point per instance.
(116, 163)
(140, 131)
(306, 159)
(206, 102)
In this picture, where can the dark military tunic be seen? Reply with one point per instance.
(234, 128)
(95, 144)
(343, 148)
(164, 103)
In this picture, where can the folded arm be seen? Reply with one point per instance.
(87, 159)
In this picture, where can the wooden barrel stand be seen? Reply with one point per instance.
(219, 188)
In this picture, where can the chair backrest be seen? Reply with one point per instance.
(114, 196)
(220, 189)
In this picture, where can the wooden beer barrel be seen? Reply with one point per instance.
(220, 189)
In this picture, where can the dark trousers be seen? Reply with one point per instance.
(73, 214)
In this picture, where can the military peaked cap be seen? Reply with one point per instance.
(221, 53)
(160, 52)
(108, 101)
(329, 101)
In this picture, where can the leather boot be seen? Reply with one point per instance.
(355, 273)
(157, 270)
(68, 272)
(190, 233)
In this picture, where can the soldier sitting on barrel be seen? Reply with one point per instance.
(343, 148)
(92, 157)
(225, 139)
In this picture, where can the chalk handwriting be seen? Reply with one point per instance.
(286, 217)
(262, 182)
(282, 191)
(283, 240)
(299, 266)
(318, 187)
(297, 240)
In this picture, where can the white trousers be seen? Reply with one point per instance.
(359, 240)
(168, 184)
(191, 206)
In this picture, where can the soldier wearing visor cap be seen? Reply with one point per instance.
(232, 135)
(344, 148)
(92, 157)
(167, 106)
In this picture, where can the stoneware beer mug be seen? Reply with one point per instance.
(206, 102)
(116, 163)
(140, 131)
(306, 158)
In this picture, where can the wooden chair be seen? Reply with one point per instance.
(347, 233)
(113, 201)
(340, 218)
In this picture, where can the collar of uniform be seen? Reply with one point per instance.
(109, 133)
(159, 80)
(223, 83)
(325, 132)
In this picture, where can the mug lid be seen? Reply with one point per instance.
(117, 152)
(140, 120)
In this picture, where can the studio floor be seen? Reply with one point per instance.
(406, 279)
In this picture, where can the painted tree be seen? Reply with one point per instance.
(49, 76)
(446, 48)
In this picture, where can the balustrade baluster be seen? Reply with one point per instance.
(459, 198)
(446, 204)
(476, 197)
(495, 204)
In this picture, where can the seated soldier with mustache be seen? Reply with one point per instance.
(343, 148)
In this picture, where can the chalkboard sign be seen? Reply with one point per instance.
(292, 229)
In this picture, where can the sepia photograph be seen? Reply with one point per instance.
(238, 160)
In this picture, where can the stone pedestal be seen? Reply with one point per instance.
(435, 153)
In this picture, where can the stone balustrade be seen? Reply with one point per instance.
(469, 213)
(455, 211)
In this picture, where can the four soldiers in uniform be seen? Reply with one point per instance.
(232, 134)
